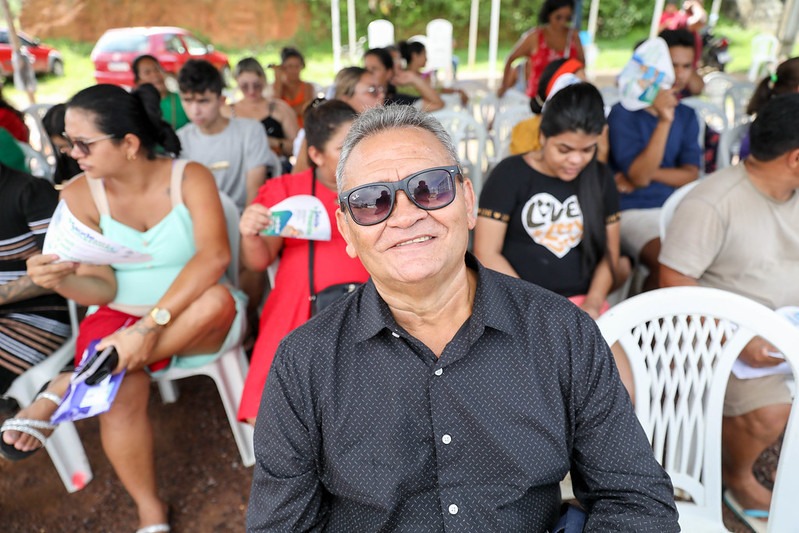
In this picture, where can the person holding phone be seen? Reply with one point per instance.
(180, 311)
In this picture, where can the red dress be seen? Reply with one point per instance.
(542, 57)
(287, 305)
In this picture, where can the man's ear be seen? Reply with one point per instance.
(470, 200)
(344, 229)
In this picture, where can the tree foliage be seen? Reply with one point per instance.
(410, 17)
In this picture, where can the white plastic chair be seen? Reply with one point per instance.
(36, 162)
(470, 138)
(764, 54)
(681, 343)
(380, 33)
(504, 121)
(438, 42)
(729, 150)
(736, 100)
(63, 445)
(670, 205)
(230, 369)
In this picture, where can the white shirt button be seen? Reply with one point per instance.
(453, 509)
(446, 439)
(395, 334)
(439, 371)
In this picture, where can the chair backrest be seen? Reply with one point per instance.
(765, 45)
(736, 99)
(716, 85)
(764, 53)
(439, 45)
(232, 224)
(470, 138)
(380, 33)
(504, 121)
(36, 162)
(711, 114)
(681, 343)
(729, 150)
(670, 205)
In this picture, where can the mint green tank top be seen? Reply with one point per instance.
(170, 243)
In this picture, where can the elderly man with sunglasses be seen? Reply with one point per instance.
(442, 395)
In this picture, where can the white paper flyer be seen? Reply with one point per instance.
(299, 217)
(649, 70)
(72, 240)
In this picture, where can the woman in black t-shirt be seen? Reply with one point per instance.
(551, 216)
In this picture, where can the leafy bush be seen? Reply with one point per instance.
(618, 17)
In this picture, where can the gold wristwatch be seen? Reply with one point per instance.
(160, 316)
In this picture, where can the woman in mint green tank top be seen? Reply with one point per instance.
(167, 308)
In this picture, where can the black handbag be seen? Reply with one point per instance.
(328, 295)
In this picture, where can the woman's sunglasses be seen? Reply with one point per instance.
(428, 189)
(83, 145)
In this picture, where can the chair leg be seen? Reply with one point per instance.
(69, 458)
(169, 391)
(229, 375)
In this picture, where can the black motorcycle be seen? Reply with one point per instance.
(715, 55)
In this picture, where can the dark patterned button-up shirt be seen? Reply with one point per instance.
(363, 428)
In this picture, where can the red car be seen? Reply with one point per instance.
(116, 49)
(45, 60)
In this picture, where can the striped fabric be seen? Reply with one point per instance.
(33, 328)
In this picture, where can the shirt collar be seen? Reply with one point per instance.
(489, 309)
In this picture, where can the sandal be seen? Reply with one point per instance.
(155, 528)
(28, 426)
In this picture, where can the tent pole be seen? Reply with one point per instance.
(335, 25)
(475, 14)
(653, 29)
(351, 31)
(492, 45)
(789, 27)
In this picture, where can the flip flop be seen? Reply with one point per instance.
(755, 519)
(28, 426)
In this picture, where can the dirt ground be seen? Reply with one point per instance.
(199, 474)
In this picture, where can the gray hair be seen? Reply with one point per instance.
(379, 119)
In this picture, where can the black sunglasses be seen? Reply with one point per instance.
(428, 189)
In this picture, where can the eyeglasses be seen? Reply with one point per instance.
(245, 87)
(374, 90)
(428, 189)
(83, 145)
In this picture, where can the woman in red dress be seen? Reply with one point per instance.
(552, 39)
(288, 305)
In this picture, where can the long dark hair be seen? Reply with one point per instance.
(322, 120)
(550, 6)
(408, 48)
(784, 80)
(118, 113)
(579, 108)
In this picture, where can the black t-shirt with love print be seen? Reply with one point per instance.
(545, 223)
